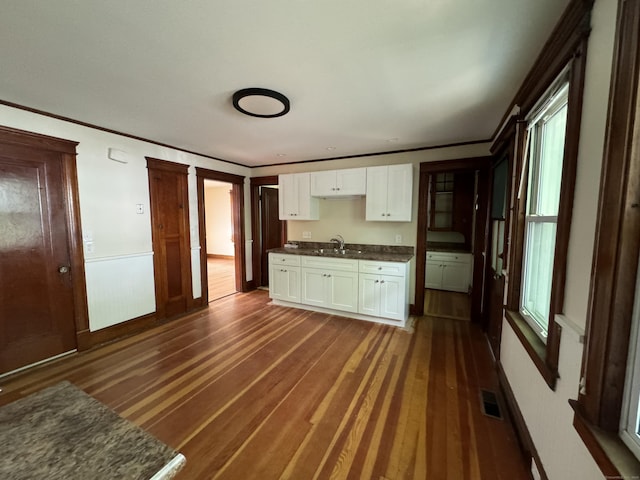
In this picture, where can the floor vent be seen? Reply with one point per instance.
(490, 405)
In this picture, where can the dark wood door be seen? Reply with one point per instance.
(170, 231)
(36, 294)
(271, 228)
(497, 253)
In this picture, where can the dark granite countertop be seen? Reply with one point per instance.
(382, 253)
(447, 247)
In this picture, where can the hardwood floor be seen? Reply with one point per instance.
(248, 390)
(439, 303)
(221, 276)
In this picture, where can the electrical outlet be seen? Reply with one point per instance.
(306, 235)
(398, 238)
(139, 208)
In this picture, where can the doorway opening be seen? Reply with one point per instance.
(220, 244)
(268, 230)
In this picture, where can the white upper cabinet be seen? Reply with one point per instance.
(294, 200)
(389, 193)
(339, 183)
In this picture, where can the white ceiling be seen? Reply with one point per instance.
(363, 76)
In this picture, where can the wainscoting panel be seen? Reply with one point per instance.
(119, 289)
(195, 272)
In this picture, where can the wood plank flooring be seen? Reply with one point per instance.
(454, 305)
(221, 273)
(248, 390)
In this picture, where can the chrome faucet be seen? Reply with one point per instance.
(339, 240)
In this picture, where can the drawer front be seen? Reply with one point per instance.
(397, 269)
(343, 264)
(449, 257)
(283, 259)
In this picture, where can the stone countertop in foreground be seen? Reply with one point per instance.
(382, 253)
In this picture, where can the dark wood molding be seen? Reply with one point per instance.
(219, 176)
(617, 243)
(565, 49)
(256, 264)
(571, 30)
(167, 165)
(36, 140)
(76, 246)
(535, 347)
(527, 446)
(115, 132)
(237, 198)
(426, 169)
(376, 154)
(221, 257)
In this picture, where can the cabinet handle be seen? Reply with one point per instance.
(383, 214)
(379, 268)
(381, 281)
(338, 188)
(328, 276)
(333, 189)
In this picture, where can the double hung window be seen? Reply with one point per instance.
(545, 154)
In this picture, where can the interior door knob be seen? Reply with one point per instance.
(63, 269)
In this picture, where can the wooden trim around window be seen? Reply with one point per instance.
(616, 251)
(567, 47)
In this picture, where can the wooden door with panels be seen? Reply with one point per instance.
(171, 240)
(42, 302)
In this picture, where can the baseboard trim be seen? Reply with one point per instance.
(220, 257)
(124, 329)
(527, 446)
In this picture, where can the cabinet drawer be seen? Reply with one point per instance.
(449, 257)
(343, 264)
(283, 259)
(384, 268)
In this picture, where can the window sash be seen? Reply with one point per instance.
(630, 415)
(546, 138)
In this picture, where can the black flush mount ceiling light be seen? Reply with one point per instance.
(260, 102)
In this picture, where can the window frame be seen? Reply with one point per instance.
(564, 53)
(553, 101)
(615, 261)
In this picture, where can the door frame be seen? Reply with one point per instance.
(256, 183)
(428, 168)
(237, 195)
(67, 151)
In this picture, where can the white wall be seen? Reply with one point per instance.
(117, 239)
(347, 216)
(218, 221)
(546, 412)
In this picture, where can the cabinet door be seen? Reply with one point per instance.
(376, 200)
(284, 283)
(307, 206)
(287, 196)
(323, 183)
(455, 277)
(342, 290)
(393, 302)
(313, 287)
(399, 196)
(351, 181)
(433, 274)
(369, 294)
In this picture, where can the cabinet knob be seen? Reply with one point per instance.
(381, 281)
(379, 268)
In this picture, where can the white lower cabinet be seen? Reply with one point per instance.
(330, 289)
(284, 277)
(383, 294)
(365, 287)
(448, 271)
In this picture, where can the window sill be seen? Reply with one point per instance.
(534, 346)
(607, 449)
